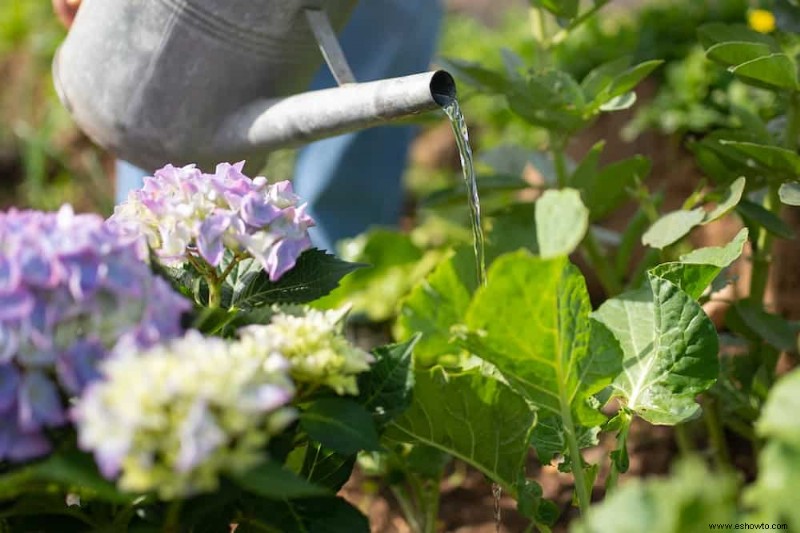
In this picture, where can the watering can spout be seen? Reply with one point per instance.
(268, 124)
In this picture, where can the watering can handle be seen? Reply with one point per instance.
(329, 45)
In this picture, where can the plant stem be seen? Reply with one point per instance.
(622, 444)
(559, 162)
(577, 21)
(406, 507)
(172, 522)
(584, 497)
(762, 255)
(685, 446)
(539, 26)
(214, 293)
(716, 433)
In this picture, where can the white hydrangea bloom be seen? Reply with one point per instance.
(313, 343)
(173, 418)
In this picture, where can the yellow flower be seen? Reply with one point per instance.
(761, 20)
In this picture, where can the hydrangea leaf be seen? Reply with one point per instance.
(672, 227)
(790, 194)
(472, 417)
(272, 481)
(315, 274)
(341, 425)
(326, 467)
(691, 497)
(386, 390)
(561, 222)
(436, 303)
(326, 514)
(774, 494)
(531, 321)
(670, 350)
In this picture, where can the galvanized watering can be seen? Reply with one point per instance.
(183, 81)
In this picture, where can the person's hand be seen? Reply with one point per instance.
(65, 10)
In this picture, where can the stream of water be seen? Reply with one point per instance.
(453, 111)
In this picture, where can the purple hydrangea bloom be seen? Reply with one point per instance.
(71, 288)
(185, 213)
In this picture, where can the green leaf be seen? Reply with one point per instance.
(773, 496)
(548, 438)
(472, 417)
(718, 32)
(561, 222)
(328, 514)
(327, 468)
(385, 391)
(790, 193)
(736, 53)
(475, 74)
(672, 227)
(697, 269)
(437, 303)
(315, 275)
(531, 321)
(566, 9)
(453, 196)
(754, 213)
(719, 256)
(670, 350)
(774, 158)
(690, 278)
(395, 264)
(341, 425)
(618, 103)
(604, 190)
(511, 229)
(731, 197)
(598, 81)
(551, 99)
(757, 324)
(775, 71)
(629, 79)
(687, 501)
(271, 480)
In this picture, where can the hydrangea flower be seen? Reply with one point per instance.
(173, 418)
(70, 288)
(313, 342)
(188, 214)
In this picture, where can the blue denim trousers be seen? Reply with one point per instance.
(353, 181)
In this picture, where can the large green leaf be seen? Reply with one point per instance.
(327, 468)
(473, 417)
(531, 321)
(385, 391)
(561, 222)
(672, 227)
(751, 320)
(775, 71)
(438, 302)
(670, 349)
(315, 275)
(686, 502)
(718, 32)
(774, 495)
(341, 425)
